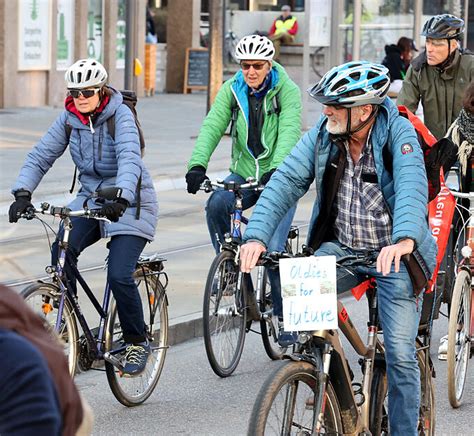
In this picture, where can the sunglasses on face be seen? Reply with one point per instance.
(87, 93)
(246, 66)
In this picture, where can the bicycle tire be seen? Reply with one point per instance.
(295, 375)
(132, 391)
(47, 306)
(459, 346)
(269, 324)
(224, 315)
(378, 409)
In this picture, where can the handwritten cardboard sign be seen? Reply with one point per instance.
(308, 286)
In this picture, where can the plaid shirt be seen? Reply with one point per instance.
(362, 218)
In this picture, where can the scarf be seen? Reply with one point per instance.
(262, 91)
(15, 315)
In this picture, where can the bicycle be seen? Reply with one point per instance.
(58, 305)
(313, 391)
(460, 327)
(231, 302)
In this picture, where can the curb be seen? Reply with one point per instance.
(189, 327)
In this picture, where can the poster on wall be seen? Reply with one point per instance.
(94, 29)
(120, 42)
(320, 23)
(65, 47)
(34, 41)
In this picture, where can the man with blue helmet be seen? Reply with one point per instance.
(362, 206)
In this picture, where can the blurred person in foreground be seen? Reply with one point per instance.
(37, 395)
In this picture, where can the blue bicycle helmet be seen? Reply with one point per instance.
(443, 26)
(352, 84)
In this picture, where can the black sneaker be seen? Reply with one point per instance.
(135, 359)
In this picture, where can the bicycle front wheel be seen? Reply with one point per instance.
(285, 404)
(132, 391)
(459, 341)
(269, 323)
(224, 315)
(44, 299)
(426, 422)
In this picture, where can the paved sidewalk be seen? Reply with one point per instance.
(171, 123)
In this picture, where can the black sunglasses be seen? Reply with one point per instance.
(87, 93)
(246, 66)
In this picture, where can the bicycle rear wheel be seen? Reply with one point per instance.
(459, 341)
(44, 299)
(269, 323)
(285, 403)
(132, 391)
(224, 315)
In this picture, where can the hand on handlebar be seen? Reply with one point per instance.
(194, 177)
(250, 254)
(21, 204)
(113, 211)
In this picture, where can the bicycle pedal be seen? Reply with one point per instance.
(110, 358)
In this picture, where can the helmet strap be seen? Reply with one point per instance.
(348, 134)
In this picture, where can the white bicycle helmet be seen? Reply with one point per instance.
(352, 84)
(86, 73)
(254, 47)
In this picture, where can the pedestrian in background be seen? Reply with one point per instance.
(398, 57)
(283, 30)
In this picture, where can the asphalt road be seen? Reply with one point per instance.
(191, 400)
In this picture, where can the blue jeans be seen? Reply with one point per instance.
(124, 251)
(399, 313)
(219, 209)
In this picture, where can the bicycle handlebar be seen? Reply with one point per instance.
(457, 194)
(209, 185)
(63, 212)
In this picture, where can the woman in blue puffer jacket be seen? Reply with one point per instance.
(103, 160)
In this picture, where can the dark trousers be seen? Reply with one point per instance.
(124, 251)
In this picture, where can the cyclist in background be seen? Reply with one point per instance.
(439, 75)
(102, 161)
(361, 206)
(264, 105)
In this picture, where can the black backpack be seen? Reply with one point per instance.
(130, 100)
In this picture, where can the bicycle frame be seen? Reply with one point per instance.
(58, 276)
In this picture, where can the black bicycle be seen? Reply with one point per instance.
(57, 303)
(233, 300)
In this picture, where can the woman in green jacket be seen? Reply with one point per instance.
(265, 106)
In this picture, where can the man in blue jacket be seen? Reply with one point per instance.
(361, 205)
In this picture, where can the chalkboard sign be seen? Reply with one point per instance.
(196, 70)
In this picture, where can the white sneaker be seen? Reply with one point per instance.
(443, 348)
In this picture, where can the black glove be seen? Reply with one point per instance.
(194, 177)
(266, 177)
(20, 205)
(113, 211)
